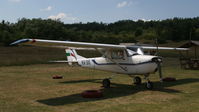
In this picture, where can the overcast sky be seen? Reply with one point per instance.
(107, 11)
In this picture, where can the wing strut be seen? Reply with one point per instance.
(123, 68)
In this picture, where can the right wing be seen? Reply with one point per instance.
(41, 42)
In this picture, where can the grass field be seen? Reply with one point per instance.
(30, 88)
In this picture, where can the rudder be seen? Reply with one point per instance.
(72, 56)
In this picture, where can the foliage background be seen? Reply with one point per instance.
(176, 29)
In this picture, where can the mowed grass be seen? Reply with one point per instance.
(30, 88)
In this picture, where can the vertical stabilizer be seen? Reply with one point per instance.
(72, 56)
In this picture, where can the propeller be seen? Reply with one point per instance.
(158, 61)
(156, 44)
(160, 70)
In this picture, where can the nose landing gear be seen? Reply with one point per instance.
(149, 84)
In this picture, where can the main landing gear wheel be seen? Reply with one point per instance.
(106, 83)
(149, 85)
(137, 80)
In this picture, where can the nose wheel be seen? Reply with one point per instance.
(106, 83)
(149, 85)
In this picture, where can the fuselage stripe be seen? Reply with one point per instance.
(122, 63)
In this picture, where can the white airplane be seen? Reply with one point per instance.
(129, 60)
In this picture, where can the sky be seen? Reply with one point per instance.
(107, 11)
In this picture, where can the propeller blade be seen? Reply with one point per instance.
(158, 61)
(160, 70)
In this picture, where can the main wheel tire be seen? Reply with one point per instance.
(149, 85)
(137, 80)
(106, 83)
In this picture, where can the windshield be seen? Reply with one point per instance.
(131, 53)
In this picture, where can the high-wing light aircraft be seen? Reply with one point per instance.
(129, 60)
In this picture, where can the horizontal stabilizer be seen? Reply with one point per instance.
(63, 61)
(58, 61)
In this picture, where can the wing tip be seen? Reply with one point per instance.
(19, 42)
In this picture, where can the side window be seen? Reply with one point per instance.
(117, 54)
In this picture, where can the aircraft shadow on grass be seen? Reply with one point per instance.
(116, 90)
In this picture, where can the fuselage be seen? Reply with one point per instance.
(131, 65)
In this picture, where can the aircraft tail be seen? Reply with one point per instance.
(72, 56)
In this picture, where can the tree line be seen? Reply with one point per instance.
(175, 29)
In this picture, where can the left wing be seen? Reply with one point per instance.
(41, 42)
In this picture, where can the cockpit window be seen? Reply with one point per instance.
(136, 49)
(133, 48)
